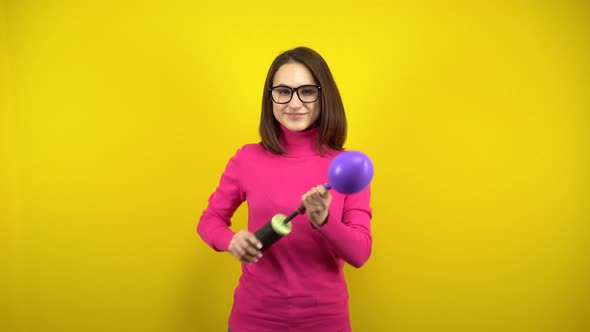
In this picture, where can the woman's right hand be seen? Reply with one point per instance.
(245, 247)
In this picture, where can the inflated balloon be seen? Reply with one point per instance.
(349, 172)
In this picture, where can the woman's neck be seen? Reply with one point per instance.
(299, 143)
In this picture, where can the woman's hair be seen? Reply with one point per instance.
(332, 120)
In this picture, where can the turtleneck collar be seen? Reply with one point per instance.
(299, 143)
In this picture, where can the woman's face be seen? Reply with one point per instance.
(295, 115)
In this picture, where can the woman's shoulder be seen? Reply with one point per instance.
(251, 150)
(331, 153)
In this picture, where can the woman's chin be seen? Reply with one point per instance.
(296, 126)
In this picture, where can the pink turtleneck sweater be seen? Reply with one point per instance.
(298, 284)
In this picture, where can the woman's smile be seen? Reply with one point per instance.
(296, 116)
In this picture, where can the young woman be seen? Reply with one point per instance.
(298, 284)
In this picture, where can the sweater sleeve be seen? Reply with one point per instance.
(213, 226)
(351, 237)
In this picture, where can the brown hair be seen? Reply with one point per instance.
(332, 120)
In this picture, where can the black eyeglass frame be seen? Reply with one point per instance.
(295, 90)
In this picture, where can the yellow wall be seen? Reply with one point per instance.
(118, 117)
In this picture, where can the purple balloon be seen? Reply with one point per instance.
(350, 172)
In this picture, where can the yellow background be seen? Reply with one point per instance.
(117, 119)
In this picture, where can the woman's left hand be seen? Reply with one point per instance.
(316, 202)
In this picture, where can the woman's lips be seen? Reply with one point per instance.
(296, 116)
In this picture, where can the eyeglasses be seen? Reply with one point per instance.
(283, 94)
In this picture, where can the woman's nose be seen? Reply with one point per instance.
(295, 101)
